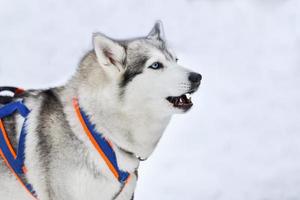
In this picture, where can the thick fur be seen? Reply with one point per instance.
(124, 98)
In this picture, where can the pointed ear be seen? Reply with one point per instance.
(109, 53)
(157, 32)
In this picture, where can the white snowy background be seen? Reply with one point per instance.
(242, 139)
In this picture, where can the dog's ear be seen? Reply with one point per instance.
(109, 53)
(157, 32)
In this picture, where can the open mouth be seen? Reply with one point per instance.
(183, 102)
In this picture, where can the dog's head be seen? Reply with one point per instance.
(146, 73)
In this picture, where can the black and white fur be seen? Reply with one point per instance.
(123, 96)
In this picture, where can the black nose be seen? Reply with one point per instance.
(195, 78)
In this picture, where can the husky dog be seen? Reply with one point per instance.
(129, 89)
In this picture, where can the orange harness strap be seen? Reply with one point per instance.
(102, 145)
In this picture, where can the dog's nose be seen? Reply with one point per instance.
(195, 78)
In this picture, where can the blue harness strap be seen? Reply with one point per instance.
(102, 145)
(12, 107)
(106, 148)
(15, 161)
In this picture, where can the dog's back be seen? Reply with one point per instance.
(52, 145)
(48, 118)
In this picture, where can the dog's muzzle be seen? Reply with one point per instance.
(184, 101)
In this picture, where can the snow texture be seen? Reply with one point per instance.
(241, 140)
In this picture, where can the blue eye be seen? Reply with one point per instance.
(156, 65)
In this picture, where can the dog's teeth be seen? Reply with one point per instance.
(188, 96)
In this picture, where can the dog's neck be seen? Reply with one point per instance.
(137, 132)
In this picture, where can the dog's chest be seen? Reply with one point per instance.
(80, 183)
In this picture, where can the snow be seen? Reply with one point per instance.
(241, 141)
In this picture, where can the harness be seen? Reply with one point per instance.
(101, 144)
(15, 161)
